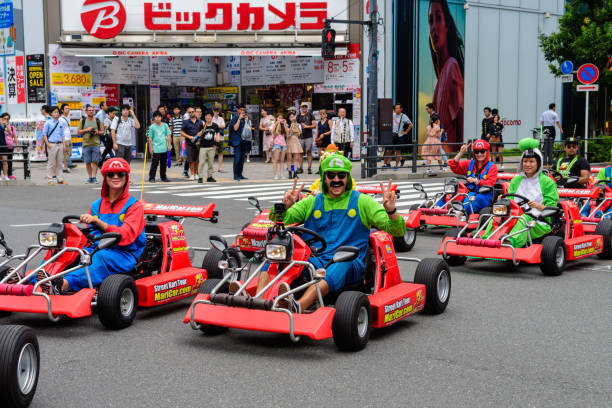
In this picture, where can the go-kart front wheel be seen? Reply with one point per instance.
(605, 228)
(117, 302)
(351, 325)
(19, 365)
(206, 288)
(553, 256)
(406, 241)
(211, 263)
(434, 273)
(454, 260)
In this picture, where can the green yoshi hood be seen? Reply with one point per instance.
(336, 163)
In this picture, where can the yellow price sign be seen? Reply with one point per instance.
(1, 88)
(61, 79)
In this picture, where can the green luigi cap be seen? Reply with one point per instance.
(336, 163)
(528, 143)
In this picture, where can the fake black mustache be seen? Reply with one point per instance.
(336, 184)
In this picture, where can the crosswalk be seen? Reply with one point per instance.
(270, 192)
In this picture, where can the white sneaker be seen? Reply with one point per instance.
(194, 177)
(5, 178)
(283, 177)
(276, 177)
(429, 171)
(248, 161)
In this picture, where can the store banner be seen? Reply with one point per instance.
(231, 66)
(20, 79)
(123, 70)
(111, 92)
(281, 70)
(105, 19)
(441, 65)
(11, 81)
(183, 71)
(36, 78)
(2, 94)
(8, 31)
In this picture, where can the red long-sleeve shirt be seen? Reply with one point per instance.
(462, 166)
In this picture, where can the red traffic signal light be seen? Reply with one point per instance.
(328, 43)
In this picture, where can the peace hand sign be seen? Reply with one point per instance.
(465, 146)
(291, 196)
(388, 195)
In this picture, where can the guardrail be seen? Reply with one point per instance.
(25, 160)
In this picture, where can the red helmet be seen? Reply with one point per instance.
(116, 164)
(480, 144)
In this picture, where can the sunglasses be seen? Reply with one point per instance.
(112, 175)
(332, 175)
(480, 151)
(571, 146)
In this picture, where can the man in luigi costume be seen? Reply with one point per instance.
(342, 216)
(572, 165)
(540, 189)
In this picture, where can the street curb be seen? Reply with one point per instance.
(16, 183)
(391, 174)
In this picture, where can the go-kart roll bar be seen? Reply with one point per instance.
(27, 257)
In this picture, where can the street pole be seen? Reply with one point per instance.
(586, 125)
(372, 149)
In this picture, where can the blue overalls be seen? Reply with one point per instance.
(482, 200)
(117, 259)
(339, 227)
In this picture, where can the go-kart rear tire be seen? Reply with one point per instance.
(406, 241)
(19, 365)
(211, 263)
(553, 256)
(117, 301)
(351, 325)
(434, 273)
(605, 228)
(454, 260)
(206, 288)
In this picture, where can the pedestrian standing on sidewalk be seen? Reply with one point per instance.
(121, 132)
(401, 127)
(208, 147)
(486, 123)
(324, 126)
(192, 129)
(548, 121)
(102, 114)
(10, 136)
(237, 128)
(307, 121)
(53, 139)
(175, 127)
(496, 141)
(91, 128)
(4, 149)
(65, 116)
(280, 131)
(265, 125)
(343, 132)
(431, 147)
(431, 110)
(220, 122)
(160, 143)
(107, 139)
(294, 147)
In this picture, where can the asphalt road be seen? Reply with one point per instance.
(510, 337)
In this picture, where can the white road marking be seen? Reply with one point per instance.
(30, 225)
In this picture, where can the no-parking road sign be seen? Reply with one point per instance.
(587, 74)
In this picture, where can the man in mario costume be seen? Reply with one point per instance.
(115, 211)
(479, 172)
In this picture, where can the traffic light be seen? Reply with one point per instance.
(328, 43)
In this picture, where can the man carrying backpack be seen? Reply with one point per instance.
(91, 128)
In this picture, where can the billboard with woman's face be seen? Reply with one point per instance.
(441, 65)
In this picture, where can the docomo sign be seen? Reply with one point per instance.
(105, 19)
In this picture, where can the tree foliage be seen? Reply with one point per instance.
(585, 35)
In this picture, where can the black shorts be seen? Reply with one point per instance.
(193, 153)
(4, 149)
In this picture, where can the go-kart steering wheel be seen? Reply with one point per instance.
(86, 231)
(316, 237)
(523, 200)
(555, 174)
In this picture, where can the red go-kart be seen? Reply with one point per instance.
(378, 300)
(566, 242)
(162, 275)
(19, 355)
(252, 236)
(439, 210)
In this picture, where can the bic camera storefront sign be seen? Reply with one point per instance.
(105, 19)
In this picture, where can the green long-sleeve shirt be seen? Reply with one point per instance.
(372, 213)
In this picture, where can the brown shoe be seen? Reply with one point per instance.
(288, 302)
(234, 286)
(62, 182)
(50, 183)
(45, 287)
